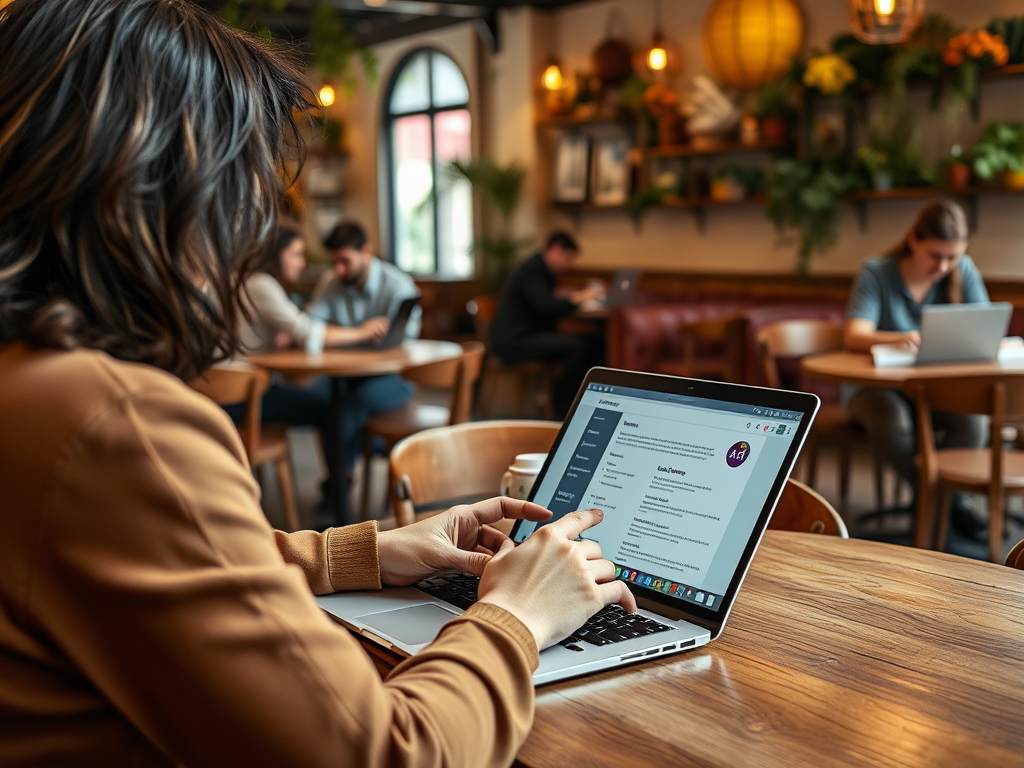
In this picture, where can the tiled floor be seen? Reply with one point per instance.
(860, 515)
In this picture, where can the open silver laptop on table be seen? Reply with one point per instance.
(687, 472)
(962, 333)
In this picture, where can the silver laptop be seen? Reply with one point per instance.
(687, 473)
(621, 288)
(961, 333)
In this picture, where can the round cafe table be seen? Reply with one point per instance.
(341, 364)
(858, 368)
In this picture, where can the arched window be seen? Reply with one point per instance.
(427, 124)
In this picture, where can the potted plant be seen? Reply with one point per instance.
(775, 109)
(958, 169)
(1000, 152)
(889, 160)
(733, 183)
(499, 189)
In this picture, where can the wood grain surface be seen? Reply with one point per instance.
(838, 652)
(357, 362)
(857, 368)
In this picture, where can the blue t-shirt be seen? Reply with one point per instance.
(880, 295)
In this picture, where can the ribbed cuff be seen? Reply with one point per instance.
(352, 560)
(494, 614)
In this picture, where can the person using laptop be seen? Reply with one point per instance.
(363, 290)
(928, 266)
(149, 616)
(525, 322)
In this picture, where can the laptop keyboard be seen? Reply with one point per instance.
(609, 625)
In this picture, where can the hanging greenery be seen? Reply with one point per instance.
(331, 45)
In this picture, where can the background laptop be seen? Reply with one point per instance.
(621, 288)
(396, 331)
(687, 472)
(961, 333)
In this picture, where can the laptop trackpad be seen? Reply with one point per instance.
(413, 626)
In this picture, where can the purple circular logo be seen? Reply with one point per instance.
(738, 453)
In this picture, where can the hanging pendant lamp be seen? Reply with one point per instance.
(879, 22)
(662, 59)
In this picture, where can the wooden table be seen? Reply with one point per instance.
(839, 652)
(352, 363)
(857, 368)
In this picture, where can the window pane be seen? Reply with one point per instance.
(449, 84)
(412, 88)
(413, 184)
(454, 199)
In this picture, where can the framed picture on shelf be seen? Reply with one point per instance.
(611, 171)
(572, 169)
(324, 217)
(324, 176)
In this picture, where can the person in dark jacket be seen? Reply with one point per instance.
(525, 323)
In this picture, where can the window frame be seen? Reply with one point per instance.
(388, 119)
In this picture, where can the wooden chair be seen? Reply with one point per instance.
(438, 468)
(458, 374)
(833, 424)
(718, 333)
(993, 471)
(804, 510)
(264, 443)
(534, 376)
(1015, 557)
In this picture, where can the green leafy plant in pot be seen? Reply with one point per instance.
(775, 109)
(1000, 152)
(499, 189)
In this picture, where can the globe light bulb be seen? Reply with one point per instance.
(885, 7)
(552, 78)
(327, 96)
(657, 59)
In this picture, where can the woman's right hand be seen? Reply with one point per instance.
(553, 583)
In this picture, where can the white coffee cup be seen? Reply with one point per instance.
(517, 482)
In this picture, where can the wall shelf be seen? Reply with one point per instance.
(574, 121)
(967, 195)
(726, 148)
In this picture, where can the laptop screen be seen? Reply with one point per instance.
(682, 480)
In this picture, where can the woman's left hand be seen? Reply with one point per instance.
(456, 540)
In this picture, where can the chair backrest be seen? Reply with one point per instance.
(230, 383)
(482, 309)
(459, 374)
(804, 510)
(437, 468)
(1015, 557)
(795, 338)
(995, 396)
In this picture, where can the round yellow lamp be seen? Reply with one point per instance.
(749, 42)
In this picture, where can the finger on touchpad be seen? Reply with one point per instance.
(414, 626)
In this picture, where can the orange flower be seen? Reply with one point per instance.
(975, 45)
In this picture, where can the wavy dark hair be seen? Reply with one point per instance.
(143, 148)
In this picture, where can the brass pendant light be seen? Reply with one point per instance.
(879, 22)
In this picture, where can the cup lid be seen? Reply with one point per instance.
(528, 462)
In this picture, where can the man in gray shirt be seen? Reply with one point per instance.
(363, 291)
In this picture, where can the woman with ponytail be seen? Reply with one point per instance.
(928, 266)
